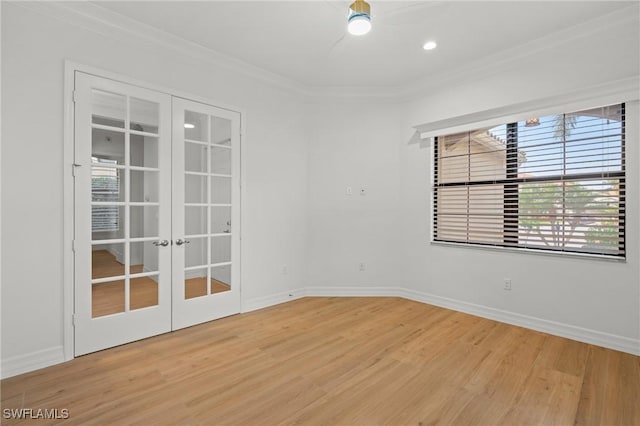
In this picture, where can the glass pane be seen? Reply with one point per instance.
(144, 221)
(195, 189)
(195, 283)
(144, 115)
(143, 292)
(143, 257)
(486, 214)
(195, 220)
(195, 253)
(107, 183)
(107, 298)
(220, 190)
(195, 126)
(452, 213)
(144, 186)
(108, 108)
(220, 279)
(220, 131)
(107, 260)
(221, 249)
(220, 160)
(107, 147)
(107, 222)
(144, 151)
(195, 157)
(220, 220)
(540, 214)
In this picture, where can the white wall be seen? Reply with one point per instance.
(365, 142)
(593, 294)
(34, 48)
(354, 144)
(294, 145)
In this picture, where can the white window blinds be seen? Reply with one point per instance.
(551, 183)
(105, 188)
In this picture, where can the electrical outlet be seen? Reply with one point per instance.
(507, 283)
(349, 190)
(362, 266)
(363, 191)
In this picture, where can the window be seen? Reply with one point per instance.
(550, 183)
(105, 188)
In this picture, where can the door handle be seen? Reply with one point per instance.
(180, 242)
(162, 243)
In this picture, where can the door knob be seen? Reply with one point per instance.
(162, 243)
(180, 242)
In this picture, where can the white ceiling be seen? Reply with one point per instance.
(307, 42)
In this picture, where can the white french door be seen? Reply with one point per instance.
(153, 244)
(206, 214)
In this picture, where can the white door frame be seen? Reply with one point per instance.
(70, 68)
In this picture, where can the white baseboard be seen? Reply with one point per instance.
(350, 291)
(585, 335)
(271, 300)
(32, 361)
(594, 337)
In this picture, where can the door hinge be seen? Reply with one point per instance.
(73, 246)
(75, 96)
(73, 319)
(74, 166)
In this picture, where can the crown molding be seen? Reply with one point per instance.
(487, 66)
(97, 19)
(94, 18)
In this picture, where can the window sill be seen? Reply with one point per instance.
(557, 254)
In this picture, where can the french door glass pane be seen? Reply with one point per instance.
(195, 283)
(107, 147)
(107, 222)
(220, 279)
(195, 126)
(107, 298)
(144, 186)
(220, 219)
(143, 292)
(220, 160)
(143, 257)
(195, 157)
(220, 190)
(143, 151)
(195, 189)
(144, 221)
(107, 260)
(195, 220)
(221, 249)
(195, 252)
(144, 115)
(220, 131)
(108, 109)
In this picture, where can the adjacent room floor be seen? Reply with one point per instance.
(342, 361)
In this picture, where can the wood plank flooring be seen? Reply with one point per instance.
(341, 361)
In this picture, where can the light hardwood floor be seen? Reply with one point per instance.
(342, 361)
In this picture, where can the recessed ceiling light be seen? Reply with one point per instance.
(430, 45)
(189, 126)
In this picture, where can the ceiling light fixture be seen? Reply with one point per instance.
(189, 126)
(359, 22)
(430, 45)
